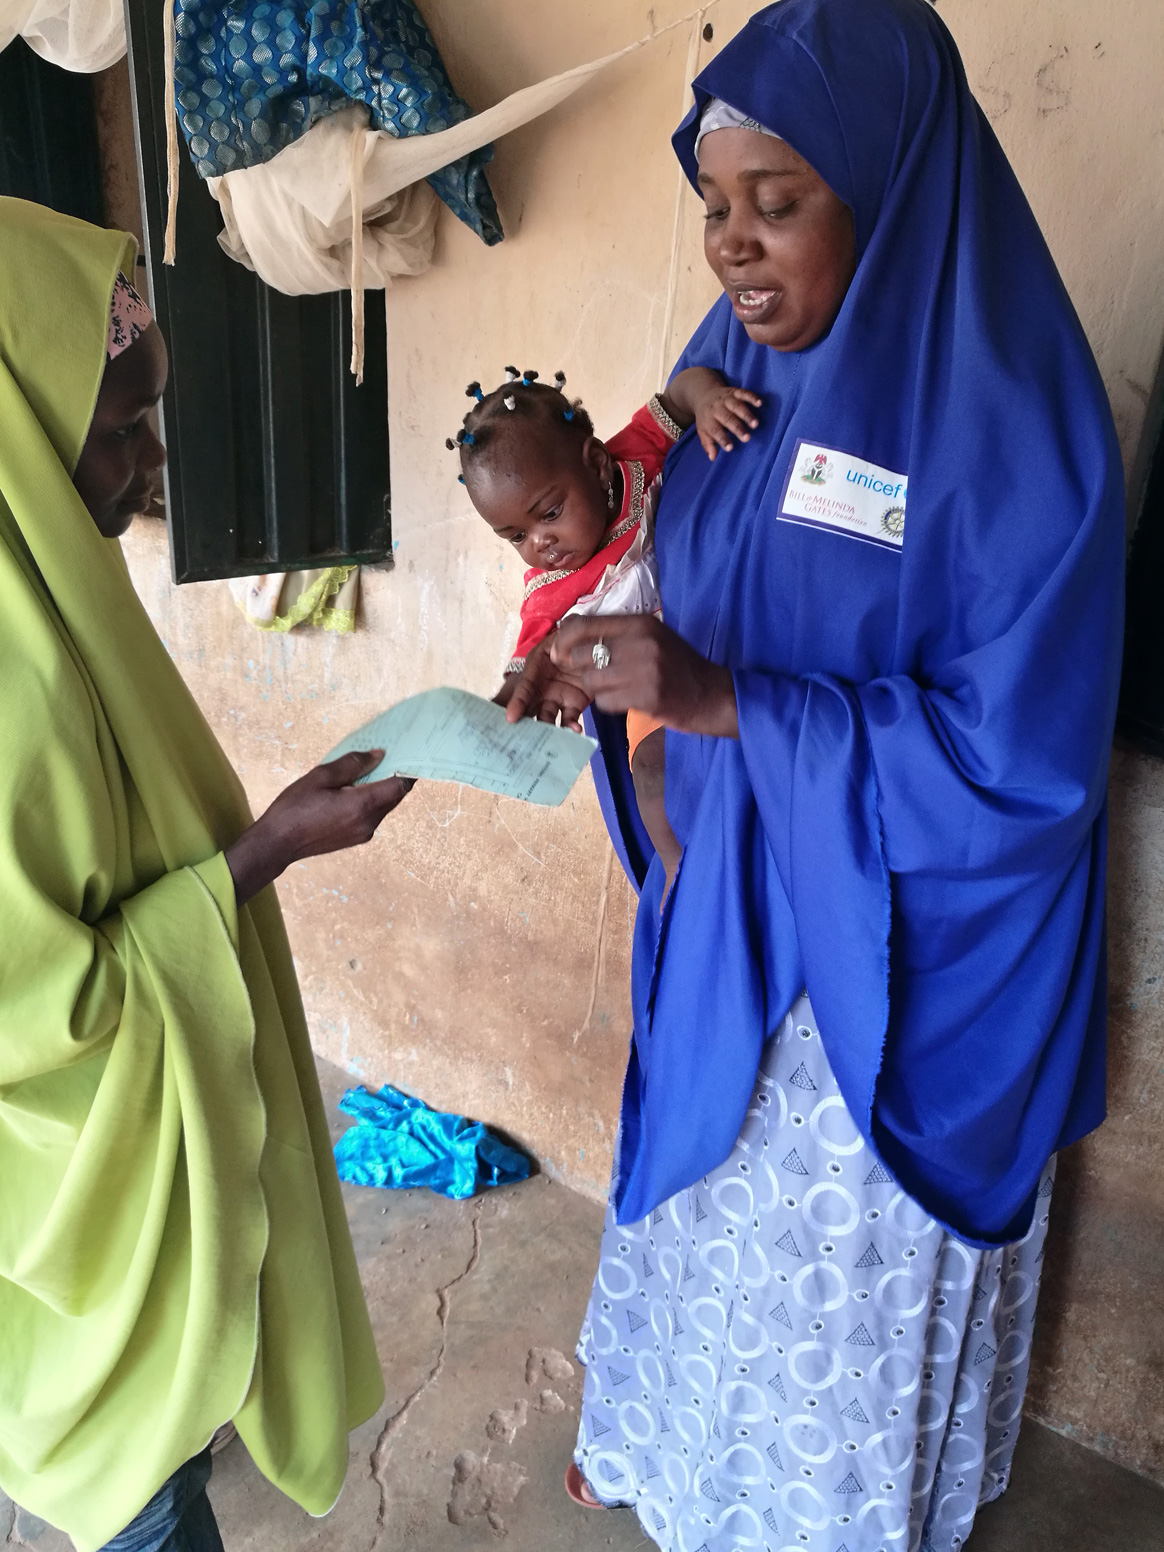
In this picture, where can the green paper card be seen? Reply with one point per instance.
(450, 735)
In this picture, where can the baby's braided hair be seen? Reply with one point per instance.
(521, 394)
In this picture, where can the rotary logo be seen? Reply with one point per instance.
(816, 470)
(893, 521)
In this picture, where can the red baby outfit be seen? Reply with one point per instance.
(639, 450)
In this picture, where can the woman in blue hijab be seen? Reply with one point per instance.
(872, 1007)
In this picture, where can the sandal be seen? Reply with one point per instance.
(578, 1489)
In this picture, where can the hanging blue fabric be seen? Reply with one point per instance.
(400, 1142)
(912, 822)
(252, 76)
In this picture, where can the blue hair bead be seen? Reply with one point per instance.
(567, 414)
(469, 439)
(460, 479)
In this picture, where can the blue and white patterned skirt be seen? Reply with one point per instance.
(792, 1355)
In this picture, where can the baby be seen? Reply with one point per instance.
(580, 513)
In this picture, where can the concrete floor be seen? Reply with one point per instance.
(476, 1306)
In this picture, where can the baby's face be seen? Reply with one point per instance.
(550, 505)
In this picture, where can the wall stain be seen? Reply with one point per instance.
(1054, 97)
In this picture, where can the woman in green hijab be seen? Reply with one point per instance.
(173, 1246)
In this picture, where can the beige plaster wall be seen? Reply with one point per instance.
(477, 952)
(1073, 89)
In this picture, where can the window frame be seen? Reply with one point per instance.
(277, 460)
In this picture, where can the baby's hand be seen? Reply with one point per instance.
(724, 413)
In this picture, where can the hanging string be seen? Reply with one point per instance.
(356, 172)
(171, 250)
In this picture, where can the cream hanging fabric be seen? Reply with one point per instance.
(291, 219)
(80, 35)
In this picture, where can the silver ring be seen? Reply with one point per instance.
(600, 655)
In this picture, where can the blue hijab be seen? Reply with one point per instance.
(911, 825)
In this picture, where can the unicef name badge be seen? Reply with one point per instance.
(835, 491)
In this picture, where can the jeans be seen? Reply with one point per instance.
(178, 1518)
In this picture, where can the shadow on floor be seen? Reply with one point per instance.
(1065, 1498)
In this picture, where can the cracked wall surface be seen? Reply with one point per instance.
(1072, 89)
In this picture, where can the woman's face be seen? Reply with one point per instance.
(117, 471)
(778, 239)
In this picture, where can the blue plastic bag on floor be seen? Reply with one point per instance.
(400, 1142)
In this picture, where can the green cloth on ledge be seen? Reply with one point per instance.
(173, 1245)
(279, 601)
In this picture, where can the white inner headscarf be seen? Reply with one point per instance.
(721, 115)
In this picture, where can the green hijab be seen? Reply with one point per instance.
(173, 1245)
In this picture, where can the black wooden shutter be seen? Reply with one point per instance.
(1141, 716)
(277, 460)
(48, 135)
